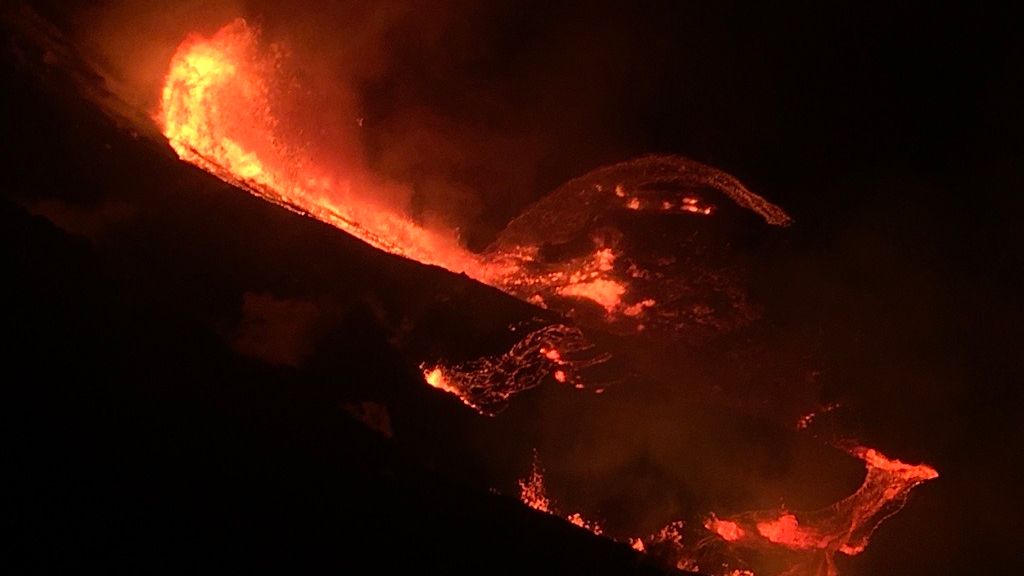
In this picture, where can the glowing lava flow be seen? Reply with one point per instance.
(217, 112)
(486, 384)
(533, 494)
(813, 537)
(844, 527)
(667, 543)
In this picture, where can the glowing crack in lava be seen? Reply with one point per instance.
(610, 247)
(486, 384)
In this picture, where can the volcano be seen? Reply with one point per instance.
(209, 379)
(185, 448)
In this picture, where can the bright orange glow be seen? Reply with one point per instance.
(875, 460)
(577, 519)
(817, 536)
(607, 293)
(729, 531)
(551, 354)
(436, 378)
(531, 490)
(218, 112)
(638, 308)
(532, 493)
(486, 384)
(786, 530)
(844, 527)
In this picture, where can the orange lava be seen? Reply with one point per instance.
(729, 531)
(435, 377)
(531, 490)
(845, 527)
(486, 384)
(532, 493)
(217, 112)
(815, 537)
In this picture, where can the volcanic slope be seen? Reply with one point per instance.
(200, 380)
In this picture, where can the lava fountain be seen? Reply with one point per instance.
(216, 112)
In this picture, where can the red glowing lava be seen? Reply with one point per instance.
(533, 494)
(844, 527)
(487, 384)
(813, 537)
(218, 113)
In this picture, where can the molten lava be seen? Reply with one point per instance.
(218, 113)
(533, 494)
(487, 384)
(814, 537)
(844, 527)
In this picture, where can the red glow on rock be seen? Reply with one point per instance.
(729, 531)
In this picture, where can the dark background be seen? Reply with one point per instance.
(890, 134)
